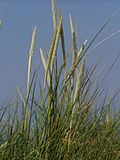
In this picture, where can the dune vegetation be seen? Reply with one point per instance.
(68, 121)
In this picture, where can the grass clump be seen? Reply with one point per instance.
(67, 123)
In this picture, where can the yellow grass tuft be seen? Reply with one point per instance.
(31, 51)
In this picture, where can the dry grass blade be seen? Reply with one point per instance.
(31, 51)
(79, 56)
(81, 50)
(73, 40)
(74, 54)
(43, 59)
(63, 47)
(54, 14)
(21, 96)
(79, 79)
(49, 57)
(56, 41)
(44, 64)
(71, 25)
(53, 49)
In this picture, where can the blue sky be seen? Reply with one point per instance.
(19, 18)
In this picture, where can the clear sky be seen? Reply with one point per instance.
(19, 18)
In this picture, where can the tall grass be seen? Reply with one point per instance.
(69, 122)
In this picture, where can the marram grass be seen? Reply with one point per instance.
(67, 121)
